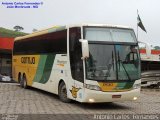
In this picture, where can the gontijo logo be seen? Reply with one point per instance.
(28, 60)
(107, 84)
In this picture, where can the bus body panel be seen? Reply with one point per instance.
(25, 64)
(36, 74)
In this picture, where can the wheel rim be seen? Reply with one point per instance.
(63, 92)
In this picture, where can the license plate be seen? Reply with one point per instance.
(116, 96)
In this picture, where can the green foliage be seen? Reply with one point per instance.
(10, 33)
(157, 47)
(18, 28)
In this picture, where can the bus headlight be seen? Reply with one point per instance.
(92, 87)
(136, 86)
(135, 98)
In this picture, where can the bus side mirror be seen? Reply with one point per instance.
(85, 48)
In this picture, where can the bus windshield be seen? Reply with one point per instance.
(112, 61)
(109, 34)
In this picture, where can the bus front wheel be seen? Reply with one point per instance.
(62, 92)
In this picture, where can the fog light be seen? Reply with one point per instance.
(135, 98)
(91, 100)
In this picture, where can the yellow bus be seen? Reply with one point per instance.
(85, 62)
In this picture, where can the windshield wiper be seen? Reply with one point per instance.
(113, 60)
(119, 60)
(110, 66)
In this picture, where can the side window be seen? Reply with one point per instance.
(76, 54)
(55, 42)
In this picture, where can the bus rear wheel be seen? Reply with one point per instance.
(62, 92)
(20, 81)
(23, 82)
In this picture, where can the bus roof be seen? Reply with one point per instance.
(100, 25)
(42, 32)
(59, 28)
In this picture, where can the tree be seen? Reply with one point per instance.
(157, 47)
(18, 28)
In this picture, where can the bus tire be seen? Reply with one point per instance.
(21, 81)
(24, 82)
(62, 93)
(19, 77)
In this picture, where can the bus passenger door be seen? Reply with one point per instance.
(76, 63)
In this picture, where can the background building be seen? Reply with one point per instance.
(6, 46)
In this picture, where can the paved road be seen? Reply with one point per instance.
(15, 100)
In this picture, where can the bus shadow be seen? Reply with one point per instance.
(39, 91)
(101, 106)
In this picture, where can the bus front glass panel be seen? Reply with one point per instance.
(128, 62)
(111, 61)
(109, 34)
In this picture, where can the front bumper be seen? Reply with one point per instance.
(99, 96)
